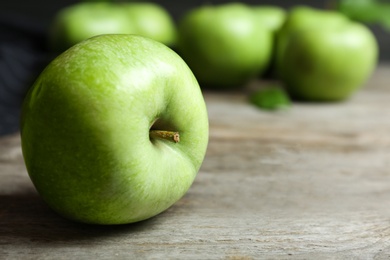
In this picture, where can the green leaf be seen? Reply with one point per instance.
(270, 98)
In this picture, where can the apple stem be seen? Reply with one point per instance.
(168, 135)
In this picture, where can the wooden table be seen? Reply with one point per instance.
(307, 183)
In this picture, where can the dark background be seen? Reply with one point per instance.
(23, 54)
(37, 14)
(42, 10)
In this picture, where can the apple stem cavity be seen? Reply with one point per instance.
(168, 135)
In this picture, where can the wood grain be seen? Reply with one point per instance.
(312, 182)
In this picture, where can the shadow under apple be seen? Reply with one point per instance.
(25, 218)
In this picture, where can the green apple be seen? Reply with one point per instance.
(153, 21)
(327, 62)
(367, 11)
(272, 17)
(114, 130)
(303, 17)
(84, 20)
(223, 44)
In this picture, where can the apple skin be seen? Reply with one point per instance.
(223, 44)
(328, 62)
(85, 130)
(83, 20)
(153, 21)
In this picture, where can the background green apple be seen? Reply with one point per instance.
(84, 20)
(223, 45)
(328, 62)
(368, 11)
(153, 21)
(272, 17)
(303, 17)
(86, 126)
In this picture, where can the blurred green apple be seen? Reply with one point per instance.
(272, 17)
(153, 21)
(223, 44)
(325, 57)
(114, 130)
(368, 11)
(303, 17)
(83, 20)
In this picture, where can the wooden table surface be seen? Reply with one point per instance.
(311, 182)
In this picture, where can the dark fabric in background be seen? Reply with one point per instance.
(22, 56)
(23, 52)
